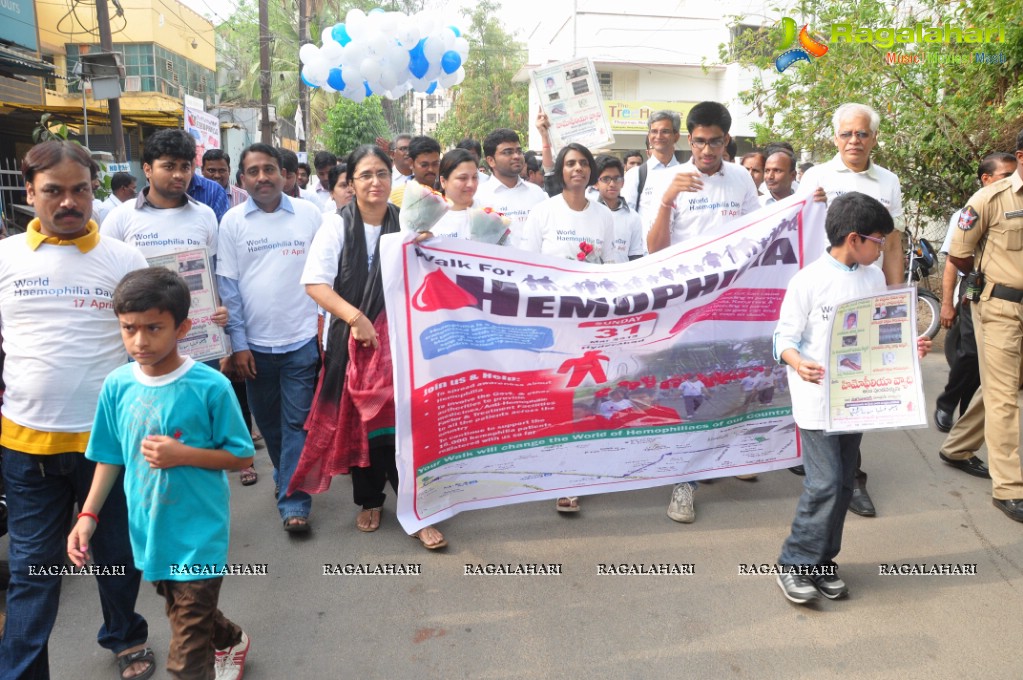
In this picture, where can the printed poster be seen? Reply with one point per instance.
(570, 96)
(204, 129)
(873, 372)
(522, 377)
(206, 340)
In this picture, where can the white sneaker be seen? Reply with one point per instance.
(681, 507)
(229, 664)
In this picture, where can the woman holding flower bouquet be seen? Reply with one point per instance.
(351, 424)
(459, 179)
(570, 225)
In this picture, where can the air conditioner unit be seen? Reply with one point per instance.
(133, 84)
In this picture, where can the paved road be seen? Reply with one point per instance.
(714, 623)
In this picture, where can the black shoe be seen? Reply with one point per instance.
(831, 586)
(1013, 508)
(943, 420)
(971, 466)
(798, 470)
(861, 503)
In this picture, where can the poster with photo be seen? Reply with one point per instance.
(570, 96)
(206, 340)
(873, 377)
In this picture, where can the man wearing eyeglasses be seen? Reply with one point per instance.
(402, 163)
(851, 169)
(642, 188)
(628, 242)
(703, 193)
(509, 194)
(424, 152)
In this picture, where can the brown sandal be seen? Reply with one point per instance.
(373, 517)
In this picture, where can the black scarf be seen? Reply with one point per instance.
(361, 286)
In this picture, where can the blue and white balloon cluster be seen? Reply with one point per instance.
(386, 53)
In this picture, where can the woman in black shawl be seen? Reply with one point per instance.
(351, 424)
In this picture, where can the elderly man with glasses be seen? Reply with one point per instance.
(644, 183)
(852, 170)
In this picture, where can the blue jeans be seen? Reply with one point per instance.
(280, 397)
(830, 461)
(41, 493)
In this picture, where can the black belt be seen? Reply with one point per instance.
(1006, 293)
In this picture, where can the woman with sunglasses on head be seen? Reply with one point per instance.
(351, 424)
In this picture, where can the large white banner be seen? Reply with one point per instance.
(522, 377)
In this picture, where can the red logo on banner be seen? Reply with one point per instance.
(440, 292)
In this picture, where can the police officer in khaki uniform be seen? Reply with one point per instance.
(991, 225)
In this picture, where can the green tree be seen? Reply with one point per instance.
(937, 120)
(487, 98)
(349, 124)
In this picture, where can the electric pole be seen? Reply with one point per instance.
(107, 45)
(303, 91)
(265, 125)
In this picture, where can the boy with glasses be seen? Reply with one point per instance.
(703, 193)
(628, 241)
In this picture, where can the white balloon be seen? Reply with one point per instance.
(400, 89)
(332, 51)
(433, 49)
(317, 71)
(358, 95)
(408, 35)
(378, 43)
(356, 23)
(327, 34)
(370, 68)
(327, 88)
(389, 22)
(420, 84)
(388, 79)
(462, 47)
(354, 53)
(352, 74)
(434, 71)
(448, 38)
(311, 76)
(399, 59)
(308, 52)
(460, 76)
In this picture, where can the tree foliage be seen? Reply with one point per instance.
(937, 120)
(487, 98)
(349, 124)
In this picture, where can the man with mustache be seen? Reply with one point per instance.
(61, 339)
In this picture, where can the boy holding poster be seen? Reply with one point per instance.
(856, 227)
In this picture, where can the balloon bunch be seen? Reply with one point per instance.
(387, 53)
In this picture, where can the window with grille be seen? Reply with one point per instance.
(606, 81)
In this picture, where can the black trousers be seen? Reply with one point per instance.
(964, 374)
(368, 483)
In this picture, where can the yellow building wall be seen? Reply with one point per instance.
(164, 22)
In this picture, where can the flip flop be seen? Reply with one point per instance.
(571, 506)
(144, 655)
(297, 527)
(374, 519)
(249, 476)
(442, 543)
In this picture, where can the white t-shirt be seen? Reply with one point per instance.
(160, 231)
(693, 388)
(60, 333)
(514, 203)
(629, 241)
(328, 244)
(106, 206)
(725, 195)
(658, 177)
(454, 224)
(266, 253)
(553, 228)
(836, 179)
(314, 197)
(805, 322)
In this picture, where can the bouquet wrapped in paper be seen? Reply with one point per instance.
(422, 207)
(488, 226)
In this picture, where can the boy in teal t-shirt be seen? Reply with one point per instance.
(175, 426)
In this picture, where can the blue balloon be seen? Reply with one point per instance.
(417, 63)
(450, 61)
(335, 80)
(458, 34)
(306, 81)
(369, 90)
(433, 86)
(340, 34)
